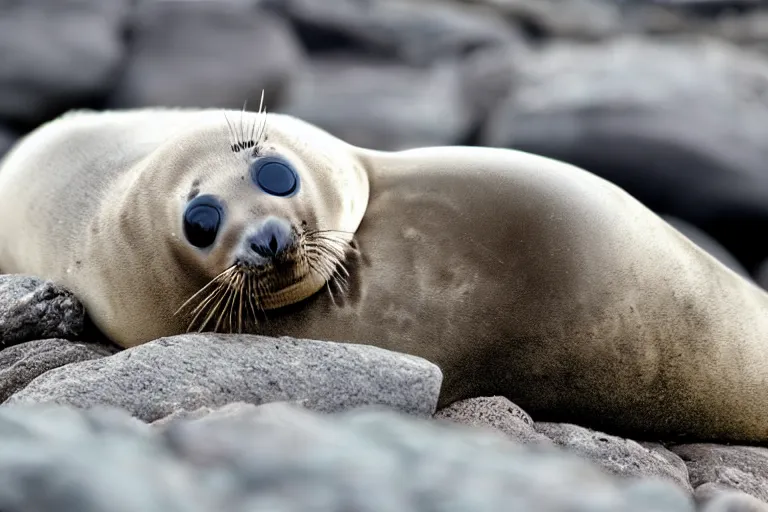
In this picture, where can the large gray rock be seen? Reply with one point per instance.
(198, 370)
(33, 309)
(66, 460)
(277, 458)
(624, 109)
(744, 468)
(379, 105)
(414, 33)
(207, 53)
(22, 363)
(387, 105)
(616, 455)
(568, 19)
(57, 54)
(495, 412)
(717, 498)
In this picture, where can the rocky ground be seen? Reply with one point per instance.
(245, 422)
(669, 102)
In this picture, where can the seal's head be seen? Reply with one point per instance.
(265, 215)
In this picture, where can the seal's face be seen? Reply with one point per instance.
(266, 224)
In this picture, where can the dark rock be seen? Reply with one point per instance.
(200, 370)
(57, 54)
(7, 139)
(744, 468)
(33, 309)
(497, 413)
(572, 19)
(625, 110)
(717, 498)
(761, 275)
(618, 456)
(21, 364)
(709, 244)
(415, 33)
(207, 53)
(278, 458)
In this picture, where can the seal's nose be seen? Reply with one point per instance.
(273, 237)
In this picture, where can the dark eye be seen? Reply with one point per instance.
(275, 176)
(201, 221)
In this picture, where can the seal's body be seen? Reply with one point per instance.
(518, 275)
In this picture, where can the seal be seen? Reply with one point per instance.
(516, 274)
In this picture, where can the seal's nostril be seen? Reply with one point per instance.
(273, 237)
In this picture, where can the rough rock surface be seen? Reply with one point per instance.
(223, 53)
(743, 468)
(414, 33)
(624, 110)
(197, 370)
(494, 412)
(617, 455)
(22, 363)
(574, 19)
(284, 459)
(32, 309)
(57, 54)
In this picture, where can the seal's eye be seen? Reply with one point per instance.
(201, 221)
(275, 176)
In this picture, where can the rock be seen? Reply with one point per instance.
(709, 244)
(572, 19)
(207, 53)
(393, 463)
(413, 33)
(187, 372)
(494, 412)
(22, 363)
(716, 498)
(616, 455)
(7, 139)
(57, 54)
(33, 309)
(68, 460)
(624, 110)
(761, 275)
(744, 468)
(279, 458)
(383, 105)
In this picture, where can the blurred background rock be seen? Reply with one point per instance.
(667, 99)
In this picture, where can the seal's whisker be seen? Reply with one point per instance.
(204, 304)
(212, 282)
(256, 118)
(233, 137)
(325, 251)
(242, 130)
(240, 290)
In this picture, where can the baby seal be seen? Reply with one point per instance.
(518, 275)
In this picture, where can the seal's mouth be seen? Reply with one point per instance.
(234, 300)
